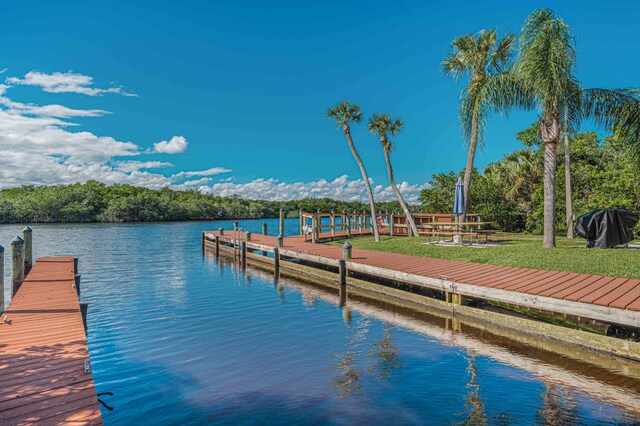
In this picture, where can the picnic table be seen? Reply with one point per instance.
(442, 230)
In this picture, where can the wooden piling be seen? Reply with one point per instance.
(315, 234)
(264, 229)
(221, 231)
(279, 241)
(216, 239)
(301, 222)
(84, 307)
(27, 236)
(248, 236)
(1, 279)
(333, 224)
(76, 279)
(347, 221)
(243, 254)
(281, 221)
(17, 264)
(346, 250)
(276, 257)
(342, 272)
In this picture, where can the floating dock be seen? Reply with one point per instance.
(45, 372)
(606, 299)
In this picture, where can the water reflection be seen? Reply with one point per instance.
(476, 414)
(558, 406)
(184, 341)
(385, 355)
(350, 373)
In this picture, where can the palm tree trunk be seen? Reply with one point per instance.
(372, 206)
(567, 175)
(412, 225)
(468, 171)
(550, 130)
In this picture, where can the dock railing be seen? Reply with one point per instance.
(318, 227)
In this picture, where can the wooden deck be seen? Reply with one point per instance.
(608, 299)
(43, 351)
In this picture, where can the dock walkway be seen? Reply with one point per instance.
(43, 351)
(608, 299)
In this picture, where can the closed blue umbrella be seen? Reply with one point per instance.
(458, 205)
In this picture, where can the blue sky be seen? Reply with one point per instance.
(246, 85)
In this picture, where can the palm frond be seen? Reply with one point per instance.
(546, 61)
(344, 113)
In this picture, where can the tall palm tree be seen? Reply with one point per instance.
(345, 113)
(381, 125)
(482, 57)
(567, 174)
(543, 76)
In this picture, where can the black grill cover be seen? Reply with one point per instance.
(607, 227)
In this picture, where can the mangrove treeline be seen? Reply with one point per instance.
(96, 202)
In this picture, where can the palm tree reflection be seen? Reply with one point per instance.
(476, 414)
(385, 355)
(348, 381)
(558, 408)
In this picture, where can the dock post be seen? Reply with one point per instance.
(243, 251)
(281, 221)
(347, 220)
(216, 239)
(27, 236)
(315, 235)
(279, 241)
(202, 241)
(342, 272)
(346, 251)
(84, 307)
(248, 236)
(1, 279)
(276, 258)
(333, 225)
(17, 264)
(76, 282)
(264, 229)
(221, 231)
(301, 221)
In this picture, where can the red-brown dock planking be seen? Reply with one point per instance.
(43, 350)
(608, 299)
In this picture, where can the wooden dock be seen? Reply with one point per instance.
(45, 374)
(607, 299)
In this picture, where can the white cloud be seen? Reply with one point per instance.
(67, 82)
(340, 188)
(175, 145)
(53, 110)
(131, 166)
(209, 172)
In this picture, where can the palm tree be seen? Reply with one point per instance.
(345, 113)
(567, 174)
(482, 57)
(381, 125)
(543, 76)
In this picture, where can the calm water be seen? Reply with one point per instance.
(182, 338)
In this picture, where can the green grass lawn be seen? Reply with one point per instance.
(520, 250)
